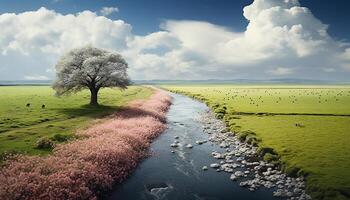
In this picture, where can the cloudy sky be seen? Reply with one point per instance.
(181, 39)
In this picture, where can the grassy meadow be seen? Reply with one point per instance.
(307, 127)
(21, 126)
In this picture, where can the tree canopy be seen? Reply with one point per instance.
(92, 68)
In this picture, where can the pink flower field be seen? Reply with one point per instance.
(85, 168)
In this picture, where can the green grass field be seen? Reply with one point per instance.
(22, 126)
(307, 126)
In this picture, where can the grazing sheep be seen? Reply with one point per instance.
(43, 106)
(28, 105)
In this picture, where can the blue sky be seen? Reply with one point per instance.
(174, 39)
(146, 15)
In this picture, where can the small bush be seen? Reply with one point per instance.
(264, 150)
(292, 171)
(45, 143)
(243, 135)
(252, 139)
(270, 157)
(60, 138)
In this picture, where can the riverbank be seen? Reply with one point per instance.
(244, 164)
(176, 172)
(88, 167)
(313, 146)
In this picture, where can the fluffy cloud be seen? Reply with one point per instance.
(105, 11)
(33, 41)
(279, 33)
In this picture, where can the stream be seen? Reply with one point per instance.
(179, 175)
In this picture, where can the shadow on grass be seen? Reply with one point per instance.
(89, 111)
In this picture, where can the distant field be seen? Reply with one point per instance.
(307, 126)
(22, 126)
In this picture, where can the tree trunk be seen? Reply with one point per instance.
(93, 99)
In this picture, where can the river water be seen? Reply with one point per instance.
(179, 176)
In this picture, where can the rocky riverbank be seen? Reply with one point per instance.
(242, 163)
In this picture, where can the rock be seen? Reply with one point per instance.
(277, 193)
(243, 184)
(174, 145)
(204, 168)
(224, 145)
(214, 165)
(176, 137)
(297, 190)
(239, 173)
(252, 189)
(217, 155)
(189, 146)
(172, 151)
(229, 170)
(233, 177)
(235, 165)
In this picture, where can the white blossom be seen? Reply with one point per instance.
(92, 68)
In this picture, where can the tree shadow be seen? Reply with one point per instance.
(125, 112)
(89, 111)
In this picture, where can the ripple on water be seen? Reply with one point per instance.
(159, 190)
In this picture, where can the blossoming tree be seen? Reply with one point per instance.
(92, 68)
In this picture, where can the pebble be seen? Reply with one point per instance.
(233, 177)
(214, 165)
(174, 145)
(239, 173)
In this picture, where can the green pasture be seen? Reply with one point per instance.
(279, 99)
(308, 127)
(22, 126)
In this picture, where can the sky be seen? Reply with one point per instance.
(181, 39)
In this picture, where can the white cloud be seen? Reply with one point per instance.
(279, 33)
(34, 40)
(105, 11)
(280, 71)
